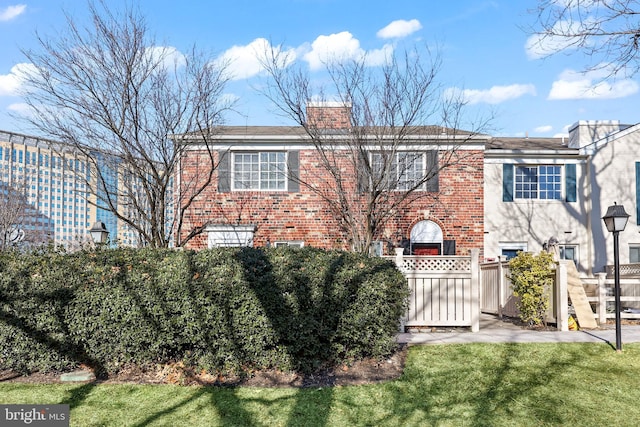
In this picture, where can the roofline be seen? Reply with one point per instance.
(594, 146)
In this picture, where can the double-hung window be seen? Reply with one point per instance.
(538, 182)
(259, 171)
(541, 182)
(399, 171)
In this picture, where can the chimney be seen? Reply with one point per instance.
(584, 133)
(329, 115)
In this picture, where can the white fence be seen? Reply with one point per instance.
(445, 290)
(496, 295)
(602, 296)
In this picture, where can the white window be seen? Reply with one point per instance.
(259, 171)
(634, 254)
(538, 182)
(510, 249)
(400, 171)
(569, 252)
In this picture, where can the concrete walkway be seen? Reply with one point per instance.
(494, 330)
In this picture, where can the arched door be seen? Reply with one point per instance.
(426, 238)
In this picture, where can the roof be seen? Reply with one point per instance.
(252, 132)
(526, 144)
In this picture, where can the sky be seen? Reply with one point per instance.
(485, 47)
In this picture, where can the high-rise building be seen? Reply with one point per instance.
(56, 181)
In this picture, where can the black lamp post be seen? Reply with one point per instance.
(616, 220)
(99, 233)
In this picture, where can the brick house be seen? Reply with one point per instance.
(261, 192)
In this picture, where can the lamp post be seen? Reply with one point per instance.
(616, 220)
(99, 233)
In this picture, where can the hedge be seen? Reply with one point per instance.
(221, 310)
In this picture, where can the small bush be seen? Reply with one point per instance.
(220, 310)
(531, 279)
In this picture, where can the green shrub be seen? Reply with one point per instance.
(531, 280)
(220, 310)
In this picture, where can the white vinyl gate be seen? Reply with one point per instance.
(445, 290)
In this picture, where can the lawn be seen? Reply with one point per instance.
(457, 385)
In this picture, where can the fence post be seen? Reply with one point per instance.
(399, 262)
(500, 287)
(602, 298)
(562, 298)
(475, 290)
(399, 256)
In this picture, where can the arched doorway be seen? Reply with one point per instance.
(426, 238)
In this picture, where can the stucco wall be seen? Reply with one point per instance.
(532, 222)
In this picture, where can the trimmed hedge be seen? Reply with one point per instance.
(221, 310)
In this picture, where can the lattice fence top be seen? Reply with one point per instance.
(625, 270)
(439, 263)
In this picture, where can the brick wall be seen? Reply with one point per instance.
(329, 115)
(304, 216)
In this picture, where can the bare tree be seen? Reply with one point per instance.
(13, 214)
(378, 156)
(608, 31)
(123, 102)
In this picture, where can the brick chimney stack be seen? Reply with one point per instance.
(329, 115)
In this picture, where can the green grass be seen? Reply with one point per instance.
(457, 385)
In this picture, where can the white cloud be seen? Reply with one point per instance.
(494, 95)
(20, 107)
(399, 29)
(342, 47)
(243, 62)
(380, 56)
(171, 57)
(540, 45)
(10, 83)
(575, 85)
(10, 12)
(543, 129)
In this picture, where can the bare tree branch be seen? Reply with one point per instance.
(608, 31)
(120, 99)
(377, 156)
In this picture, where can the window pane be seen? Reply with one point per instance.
(538, 182)
(634, 254)
(410, 169)
(259, 171)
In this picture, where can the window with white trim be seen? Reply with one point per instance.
(634, 254)
(538, 182)
(405, 172)
(569, 252)
(259, 171)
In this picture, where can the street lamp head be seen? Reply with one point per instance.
(99, 232)
(616, 218)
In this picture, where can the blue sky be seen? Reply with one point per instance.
(483, 45)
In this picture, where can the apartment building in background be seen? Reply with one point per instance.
(54, 177)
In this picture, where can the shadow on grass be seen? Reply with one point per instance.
(480, 391)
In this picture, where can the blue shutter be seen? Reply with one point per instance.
(637, 193)
(507, 182)
(570, 182)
